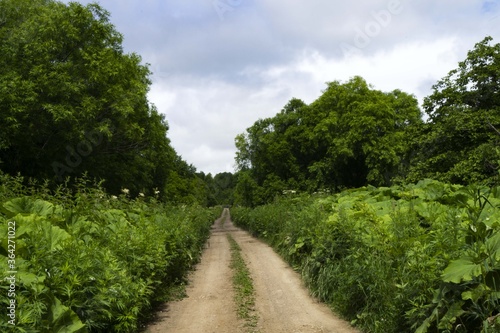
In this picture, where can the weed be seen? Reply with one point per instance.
(423, 256)
(86, 261)
(243, 286)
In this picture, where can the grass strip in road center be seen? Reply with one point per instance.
(243, 286)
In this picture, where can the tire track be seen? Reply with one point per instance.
(282, 303)
(209, 306)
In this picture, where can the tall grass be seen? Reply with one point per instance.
(377, 255)
(90, 262)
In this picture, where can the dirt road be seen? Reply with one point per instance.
(282, 303)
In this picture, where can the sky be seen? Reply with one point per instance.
(220, 65)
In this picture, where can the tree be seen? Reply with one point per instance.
(247, 190)
(458, 143)
(223, 190)
(352, 135)
(71, 101)
(364, 133)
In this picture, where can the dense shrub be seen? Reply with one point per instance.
(422, 257)
(87, 261)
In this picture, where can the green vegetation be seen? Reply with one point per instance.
(95, 256)
(350, 136)
(243, 287)
(104, 217)
(220, 188)
(72, 102)
(458, 143)
(416, 258)
(400, 257)
(88, 261)
(354, 135)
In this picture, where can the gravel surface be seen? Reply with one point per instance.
(282, 302)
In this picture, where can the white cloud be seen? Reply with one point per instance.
(215, 77)
(205, 115)
(403, 67)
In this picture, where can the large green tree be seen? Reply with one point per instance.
(223, 189)
(360, 133)
(71, 101)
(458, 143)
(352, 135)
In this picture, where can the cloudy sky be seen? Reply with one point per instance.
(220, 65)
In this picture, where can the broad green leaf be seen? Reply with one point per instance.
(25, 223)
(475, 293)
(56, 236)
(461, 270)
(451, 315)
(31, 223)
(493, 246)
(425, 326)
(28, 278)
(26, 206)
(64, 320)
(493, 220)
(42, 208)
(17, 206)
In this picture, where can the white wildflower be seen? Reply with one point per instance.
(125, 190)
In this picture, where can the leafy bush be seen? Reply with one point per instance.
(86, 261)
(419, 257)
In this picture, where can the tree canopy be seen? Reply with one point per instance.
(458, 143)
(72, 102)
(350, 136)
(354, 135)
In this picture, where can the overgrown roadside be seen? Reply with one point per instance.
(273, 298)
(209, 305)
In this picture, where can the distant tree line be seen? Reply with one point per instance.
(354, 135)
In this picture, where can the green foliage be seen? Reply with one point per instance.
(393, 259)
(243, 287)
(352, 135)
(469, 298)
(219, 188)
(72, 102)
(458, 143)
(92, 262)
